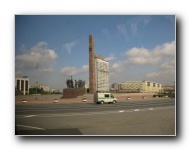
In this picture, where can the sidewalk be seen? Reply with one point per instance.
(52, 99)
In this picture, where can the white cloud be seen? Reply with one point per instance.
(116, 69)
(142, 56)
(168, 65)
(167, 49)
(69, 70)
(85, 68)
(165, 69)
(147, 19)
(117, 65)
(171, 18)
(48, 69)
(111, 57)
(122, 29)
(137, 22)
(157, 64)
(160, 74)
(132, 25)
(74, 70)
(134, 29)
(38, 57)
(153, 74)
(69, 46)
(22, 48)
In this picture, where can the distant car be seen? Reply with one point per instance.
(104, 98)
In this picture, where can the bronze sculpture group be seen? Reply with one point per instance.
(78, 84)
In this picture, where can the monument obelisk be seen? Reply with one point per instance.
(92, 78)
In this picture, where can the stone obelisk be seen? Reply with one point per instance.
(92, 78)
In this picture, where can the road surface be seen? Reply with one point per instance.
(143, 117)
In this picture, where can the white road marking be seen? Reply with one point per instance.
(30, 116)
(30, 127)
(136, 109)
(93, 113)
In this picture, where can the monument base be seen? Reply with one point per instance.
(73, 92)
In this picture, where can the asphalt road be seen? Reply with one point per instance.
(147, 117)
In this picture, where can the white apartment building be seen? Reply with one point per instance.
(22, 85)
(101, 74)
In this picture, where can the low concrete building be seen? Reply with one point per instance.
(169, 89)
(22, 85)
(40, 86)
(114, 86)
(140, 86)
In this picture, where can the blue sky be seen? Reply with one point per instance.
(49, 49)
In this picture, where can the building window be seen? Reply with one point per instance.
(22, 85)
(154, 84)
(18, 85)
(148, 83)
(26, 85)
(158, 85)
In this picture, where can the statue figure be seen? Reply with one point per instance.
(76, 84)
(79, 83)
(83, 84)
(67, 82)
(71, 83)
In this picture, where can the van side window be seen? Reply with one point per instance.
(107, 95)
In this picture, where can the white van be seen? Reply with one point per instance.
(104, 98)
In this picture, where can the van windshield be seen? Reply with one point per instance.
(112, 96)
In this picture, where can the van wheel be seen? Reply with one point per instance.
(114, 102)
(102, 102)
